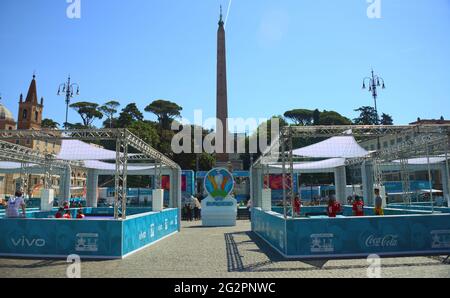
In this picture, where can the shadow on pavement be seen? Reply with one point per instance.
(235, 258)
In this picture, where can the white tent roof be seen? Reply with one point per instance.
(99, 165)
(423, 160)
(89, 164)
(78, 150)
(335, 147)
(318, 165)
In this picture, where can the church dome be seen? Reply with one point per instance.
(5, 114)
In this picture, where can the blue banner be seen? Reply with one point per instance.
(355, 236)
(40, 236)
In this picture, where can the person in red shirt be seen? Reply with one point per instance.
(333, 207)
(67, 215)
(358, 207)
(80, 214)
(66, 205)
(60, 212)
(297, 205)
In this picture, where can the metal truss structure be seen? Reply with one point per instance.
(426, 139)
(124, 139)
(26, 156)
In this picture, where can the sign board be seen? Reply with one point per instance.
(219, 208)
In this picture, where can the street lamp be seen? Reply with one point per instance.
(68, 91)
(374, 82)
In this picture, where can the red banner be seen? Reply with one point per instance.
(165, 182)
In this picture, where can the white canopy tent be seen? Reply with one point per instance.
(91, 157)
(424, 160)
(88, 164)
(335, 147)
(78, 150)
(322, 166)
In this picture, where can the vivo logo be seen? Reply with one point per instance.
(386, 241)
(25, 242)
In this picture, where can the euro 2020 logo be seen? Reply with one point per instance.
(219, 183)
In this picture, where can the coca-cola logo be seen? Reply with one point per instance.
(385, 241)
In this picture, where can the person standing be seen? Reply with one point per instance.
(60, 213)
(333, 207)
(358, 207)
(197, 209)
(14, 204)
(378, 203)
(249, 208)
(297, 206)
(189, 209)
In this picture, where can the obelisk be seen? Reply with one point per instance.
(222, 97)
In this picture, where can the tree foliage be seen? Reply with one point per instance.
(333, 118)
(88, 112)
(109, 109)
(146, 131)
(49, 123)
(129, 114)
(386, 119)
(367, 116)
(165, 111)
(300, 116)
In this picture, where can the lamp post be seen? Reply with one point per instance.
(374, 81)
(68, 91)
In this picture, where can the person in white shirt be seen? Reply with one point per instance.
(14, 204)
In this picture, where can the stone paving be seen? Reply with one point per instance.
(234, 252)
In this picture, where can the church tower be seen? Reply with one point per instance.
(30, 110)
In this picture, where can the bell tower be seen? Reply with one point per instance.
(30, 110)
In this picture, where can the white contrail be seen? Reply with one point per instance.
(228, 13)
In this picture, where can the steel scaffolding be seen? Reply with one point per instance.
(426, 140)
(124, 139)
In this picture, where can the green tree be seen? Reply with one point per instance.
(109, 109)
(146, 131)
(367, 116)
(129, 115)
(77, 125)
(165, 111)
(316, 117)
(300, 116)
(88, 112)
(333, 118)
(386, 119)
(49, 123)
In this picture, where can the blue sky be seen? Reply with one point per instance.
(282, 54)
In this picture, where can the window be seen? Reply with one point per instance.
(385, 144)
(36, 116)
(399, 140)
(392, 142)
(24, 114)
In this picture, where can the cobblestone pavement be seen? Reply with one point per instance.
(198, 252)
